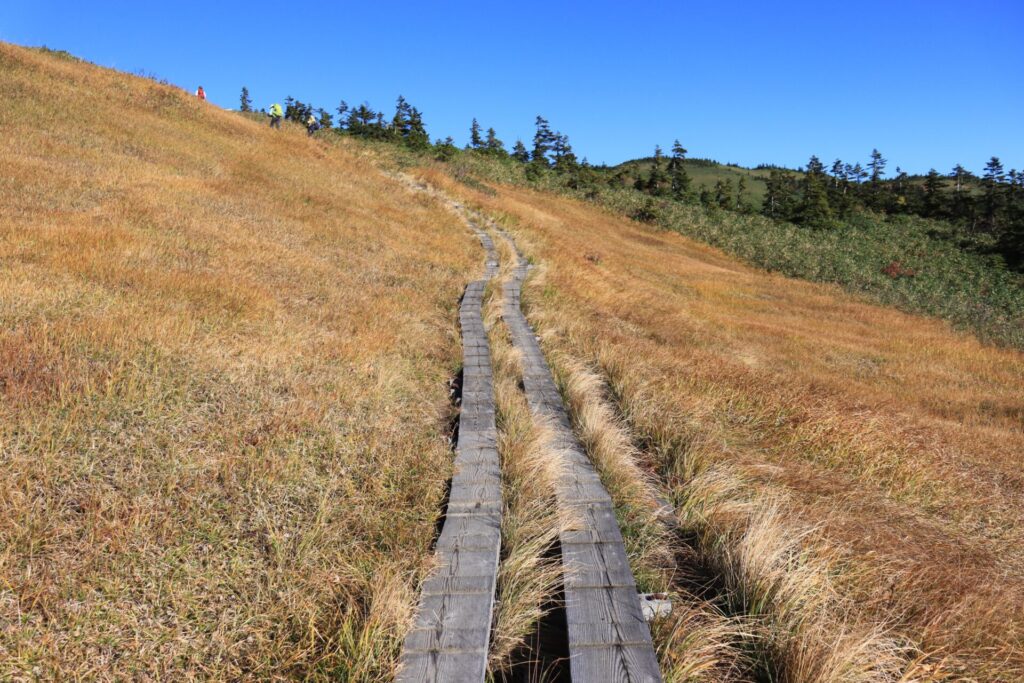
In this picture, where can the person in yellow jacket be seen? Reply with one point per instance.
(312, 125)
(276, 115)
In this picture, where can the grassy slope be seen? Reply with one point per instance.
(223, 356)
(966, 286)
(221, 393)
(896, 437)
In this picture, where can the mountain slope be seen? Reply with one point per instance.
(223, 366)
(223, 413)
(888, 443)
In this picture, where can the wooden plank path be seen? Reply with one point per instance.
(608, 637)
(451, 635)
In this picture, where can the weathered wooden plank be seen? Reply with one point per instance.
(450, 667)
(609, 634)
(582, 557)
(608, 637)
(606, 605)
(455, 610)
(440, 585)
(611, 664)
(450, 638)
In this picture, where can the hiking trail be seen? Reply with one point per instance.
(450, 638)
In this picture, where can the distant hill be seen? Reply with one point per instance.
(704, 173)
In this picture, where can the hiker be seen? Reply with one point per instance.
(312, 125)
(201, 94)
(276, 115)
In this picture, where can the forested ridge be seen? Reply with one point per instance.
(946, 244)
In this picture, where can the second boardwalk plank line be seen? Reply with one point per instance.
(608, 637)
(450, 639)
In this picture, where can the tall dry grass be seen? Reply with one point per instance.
(223, 359)
(696, 642)
(878, 450)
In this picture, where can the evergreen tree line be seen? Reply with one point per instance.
(405, 125)
(669, 179)
(992, 205)
(552, 153)
(817, 197)
(820, 197)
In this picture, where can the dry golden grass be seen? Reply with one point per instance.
(222, 387)
(888, 444)
(697, 642)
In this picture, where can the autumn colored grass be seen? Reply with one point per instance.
(887, 446)
(223, 364)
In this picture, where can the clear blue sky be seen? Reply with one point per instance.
(928, 83)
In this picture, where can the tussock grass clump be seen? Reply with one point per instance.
(767, 572)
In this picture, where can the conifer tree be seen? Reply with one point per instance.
(858, 174)
(475, 141)
(565, 158)
(445, 149)
(778, 198)
(245, 102)
(741, 188)
(902, 187)
(361, 120)
(723, 193)
(400, 121)
(993, 197)
(492, 145)
(542, 141)
(585, 177)
(815, 210)
(325, 119)
(677, 173)
(520, 153)
(877, 165)
(960, 176)
(962, 208)
(875, 188)
(838, 172)
(417, 137)
(656, 180)
(342, 111)
(839, 196)
(933, 187)
(1012, 241)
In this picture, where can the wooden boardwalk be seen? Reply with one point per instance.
(608, 637)
(450, 639)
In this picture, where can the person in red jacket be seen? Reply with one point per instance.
(201, 94)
